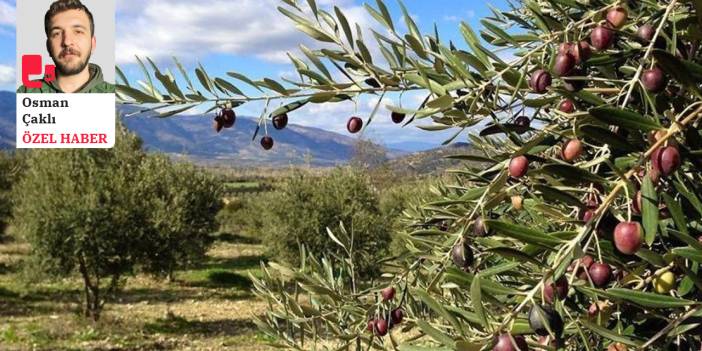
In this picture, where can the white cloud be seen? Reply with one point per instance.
(7, 74)
(457, 18)
(7, 14)
(189, 30)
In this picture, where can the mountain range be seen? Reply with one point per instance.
(194, 138)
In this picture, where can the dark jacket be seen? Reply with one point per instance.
(96, 84)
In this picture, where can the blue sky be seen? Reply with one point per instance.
(251, 37)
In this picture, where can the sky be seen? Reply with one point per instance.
(252, 37)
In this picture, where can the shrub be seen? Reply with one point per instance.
(302, 209)
(182, 202)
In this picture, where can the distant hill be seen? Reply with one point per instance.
(7, 120)
(193, 137)
(431, 162)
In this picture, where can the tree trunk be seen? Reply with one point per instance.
(92, 292)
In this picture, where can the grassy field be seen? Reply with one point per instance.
(208, 307)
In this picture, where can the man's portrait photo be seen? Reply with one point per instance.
(69, 27)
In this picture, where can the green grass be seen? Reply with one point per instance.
(241, 185)
(207, 307)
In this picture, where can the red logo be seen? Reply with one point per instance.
(32, 65)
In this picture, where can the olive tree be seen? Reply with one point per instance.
(303, 209)
(581, 227)
(182, 203)
(10, 170)
(104, 213)
(81, 210)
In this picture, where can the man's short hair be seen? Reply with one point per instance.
(59, 6)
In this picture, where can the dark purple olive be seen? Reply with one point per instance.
(601, 38)
(645, 33)
(228, 117)
(566, 106)
(397, 117)
(462, 255)
(354, 125)
(564, 64)
(280, 121)
(653, 80)
(540, 81)
(544, 318)
(522, 121)
(666, 160)
(504, 342)
(218, 123)
(267, 142)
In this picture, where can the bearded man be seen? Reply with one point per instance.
(70, 40)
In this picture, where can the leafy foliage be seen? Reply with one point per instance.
(104, 213)
(301, 210)
(182, 202)
(630, 70)
(10, 170)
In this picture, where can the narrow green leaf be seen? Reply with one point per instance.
(275, 86)
(522, 233)
(147, 76)
(204, 80)
(414, 31)
(476, 297)
(628, 119)
(553, 194)
(225, 85)
(442, 102)
(174, 112)
(289, 107)
(606, 333)
(489, 286)
(676, 213)
(435, 334)
(498, 31)
(686, 238)
(244, 79)
(184, 74)
(435, 87)
(315, 33)
(313, 7)
(386, 14)
(572, 174)
(121, 76)
(170, 86)
(647, 299)
(607, 137)
(512, 253)
(438, 308)
(344, 25)
(678, 70)
(138, 96)
(649, 199)
(416, 46)
(315, 60)
(376, 15)
(474, 43)
(690, 196)
(689, 253)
